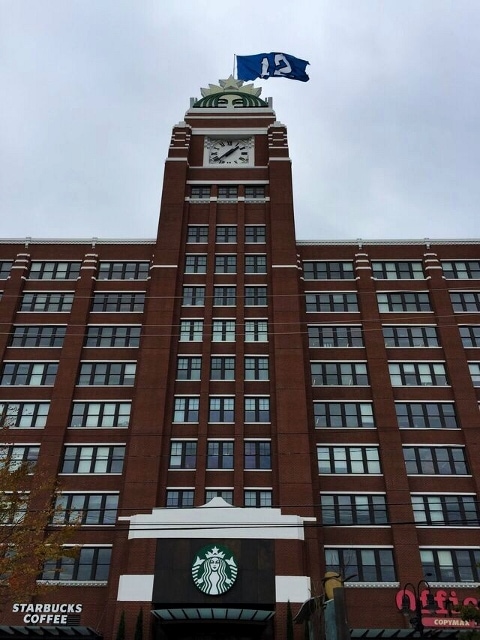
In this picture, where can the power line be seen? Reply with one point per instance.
(236, 526)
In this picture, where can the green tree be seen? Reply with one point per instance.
(470, 612)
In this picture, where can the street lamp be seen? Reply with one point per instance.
(416, 611)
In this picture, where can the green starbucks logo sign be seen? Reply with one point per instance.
(214, 570)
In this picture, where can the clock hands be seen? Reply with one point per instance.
(227, 153)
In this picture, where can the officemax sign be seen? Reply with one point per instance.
(442, 598)
(445, 601)
(48, 613)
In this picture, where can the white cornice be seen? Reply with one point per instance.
(365, 243)
(223, 168)
(225, 112)
(320, 243)
(217, 519)
(89, 241)
(229, 182)
(227, 131)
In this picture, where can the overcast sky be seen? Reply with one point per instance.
(384, 138)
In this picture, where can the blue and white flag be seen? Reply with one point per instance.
(271, 65)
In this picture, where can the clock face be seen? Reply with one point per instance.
(229, 151)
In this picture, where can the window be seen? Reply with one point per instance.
(197, 234)
(195, 263)
(328, 271)
(23, 415)
(5, 267)
(474, 368)
(331, 302)
(54, 270)
(227, 193)
(37, 336)
(257, 409)
(256, 368)
(86, 508)
(348, 415)
(15, 456)
(220, 454)
(461, 269)
(14, 510)
(34, 374)
(257, 455)
(450, 510)
(118, 302)
(191, 330)
(88, 459)
(193, 296)
(256, 331)
(225, 235)
(224, 296)
(100, 415)
(189, 367)
(222, 368)
(255, 234)
(417, 374)
(426, 415)
(455, 565)
(255, 264)
(443, 461)
(403, 301)
(463, 301)
(221, 409)
(180, 498)
(183, 455)
(356, 509)
(398, 270)
(123, 270)
(366, 565)
(107, 373)
(186, 409)
(47, 302)
(255, 296)
(91, 565)
(115, 336)
(338, 373)
(257, 498)
(255, 193)
(358, 460)
(470, 336)
(226, 494)
(321, 336)
(403, 336)
(225, 263)
(200, 192)
(223, 331)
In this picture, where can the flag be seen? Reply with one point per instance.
(271, 65)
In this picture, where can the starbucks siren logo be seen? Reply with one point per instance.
(214, 570)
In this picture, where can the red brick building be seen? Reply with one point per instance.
(234, 412)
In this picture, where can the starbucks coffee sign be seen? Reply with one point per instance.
(214, 570)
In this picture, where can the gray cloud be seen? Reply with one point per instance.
(384, 138)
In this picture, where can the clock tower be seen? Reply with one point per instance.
(221, 394)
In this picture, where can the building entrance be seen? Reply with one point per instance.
(206, 631)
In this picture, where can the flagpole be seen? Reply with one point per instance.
(234, 58)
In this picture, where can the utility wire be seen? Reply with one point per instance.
(236, 526)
